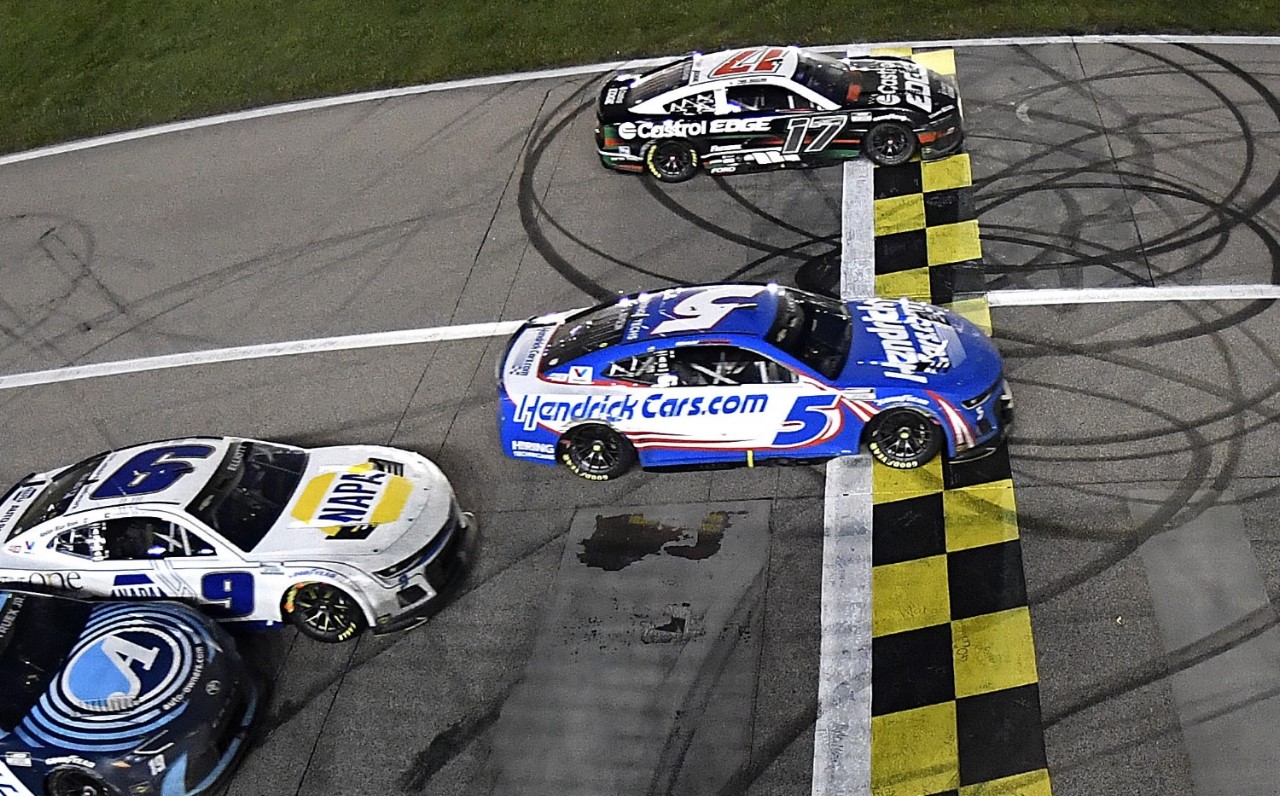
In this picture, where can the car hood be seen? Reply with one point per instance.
(360, 502)
(903, 344)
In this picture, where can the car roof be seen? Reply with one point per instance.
(699, 311)
(196, 472)
(744, 61)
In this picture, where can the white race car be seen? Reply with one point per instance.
(333, 539)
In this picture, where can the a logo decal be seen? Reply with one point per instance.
(135, 585)
(359, 496)
(121, 671)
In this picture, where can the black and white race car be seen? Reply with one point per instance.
(764, 108)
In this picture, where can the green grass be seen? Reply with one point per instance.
(73, 68)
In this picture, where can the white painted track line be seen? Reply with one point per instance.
(590, 69)
(1111, 295)
(434, 334)
(842, 733)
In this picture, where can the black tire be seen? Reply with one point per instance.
(672, 160)
(890, 144)
(595, 452)
(76, 781)
(903, 438)
(323, 612)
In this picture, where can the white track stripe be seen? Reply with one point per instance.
(1110, 295)
(589, 69)
(842, 734)
(434, 334)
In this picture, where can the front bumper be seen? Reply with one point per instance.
(445, 572)
(988, 446)
(948, 143)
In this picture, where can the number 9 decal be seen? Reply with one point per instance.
(151, 471)
(229, 595)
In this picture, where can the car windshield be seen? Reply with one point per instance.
(813, 329)
(36, 636)
(825, 75)
(588, 331)
(661, 81)
(57, 496)
(247, 494)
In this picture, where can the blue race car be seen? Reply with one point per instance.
(739, 374)
(107, 699)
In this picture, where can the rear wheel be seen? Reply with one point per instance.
(890, 144)
(323, 612)
(903, 438)
(672, 160)
(75, 781)
(595, 452)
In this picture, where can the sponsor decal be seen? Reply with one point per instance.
(526, 449)
(67, 581)
(135, 584)
(10, 616)
(580, 374)
(614, 95)
(21, 496)
(19, 759)
(671, 128)
(156, 764)
(359, 496)
(905, 359)
(903, 80)
(131, 669)
(535, 409)
(69, 760)
(526, 363)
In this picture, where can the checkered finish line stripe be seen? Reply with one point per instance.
(954, 696)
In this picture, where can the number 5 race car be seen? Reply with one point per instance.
(735, 374)
(768, 108)
(333, 540)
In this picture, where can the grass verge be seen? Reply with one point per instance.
(94, 66)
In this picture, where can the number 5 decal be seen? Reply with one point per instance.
(808, 418)
(824, 129)
(229, 594)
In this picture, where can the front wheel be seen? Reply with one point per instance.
(674, 160)
(903, 438)
(595, 452)
(890, 144)
(76, 781)
(323, 612)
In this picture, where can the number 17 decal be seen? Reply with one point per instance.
(823, 128)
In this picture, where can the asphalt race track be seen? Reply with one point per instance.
(659, 634)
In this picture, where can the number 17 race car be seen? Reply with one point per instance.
(740, 374)
(765, 108)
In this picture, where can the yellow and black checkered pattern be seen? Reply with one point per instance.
(954, 698)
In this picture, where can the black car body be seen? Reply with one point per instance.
(765, 108)
(113, 698)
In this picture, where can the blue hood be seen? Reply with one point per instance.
(902, 344)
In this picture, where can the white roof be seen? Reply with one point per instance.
(195, 458)
(745, 62)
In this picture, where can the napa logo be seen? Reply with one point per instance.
(359, 496)
(135, 585)
(123, 670)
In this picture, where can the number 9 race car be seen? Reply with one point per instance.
(740, 374)
(765, 108)
(333, 540)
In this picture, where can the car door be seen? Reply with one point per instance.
(209, 572)
(109, 557)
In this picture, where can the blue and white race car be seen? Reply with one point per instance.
(108, 699)
(738, 374)
(334, 540)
